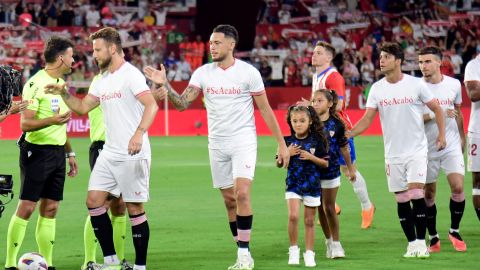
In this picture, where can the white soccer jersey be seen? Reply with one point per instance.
(448, 93)
(118, 93)
(401, 107)
(472, 73)
(228, 99)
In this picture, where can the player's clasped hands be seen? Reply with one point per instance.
(18, 106)
(56, 89)
(155, 75)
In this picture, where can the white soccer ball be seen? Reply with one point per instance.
(32, 261)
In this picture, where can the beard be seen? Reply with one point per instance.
(104, 65)
(220, 58)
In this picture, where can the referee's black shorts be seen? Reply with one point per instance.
(42, 172)
(95, 149)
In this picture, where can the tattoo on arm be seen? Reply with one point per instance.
(181, 102)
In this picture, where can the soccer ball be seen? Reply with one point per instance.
(32, 261)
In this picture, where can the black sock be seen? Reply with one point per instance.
(244, 223)
(456, 213)
(432, 220)
(405, 215)
(102, 227)
(419, 213)
(140, 235)
(233, 229)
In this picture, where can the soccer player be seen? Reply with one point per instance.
(116, 205)
(43, 153)
(123, 165)
(400, 100)
(448, 92)
(230, 86)
(327, 77)
(472, 82)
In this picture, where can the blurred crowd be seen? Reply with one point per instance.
(287, 31)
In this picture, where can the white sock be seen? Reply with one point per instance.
(360, 188)
(111, 260)
(243, 251)
(139, 267)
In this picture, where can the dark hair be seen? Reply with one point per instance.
(110, 35)
(331, 96)
(431, 50)
(228, 31)
(394, 49)
(327, 47)
(315, 129)
(56, 46)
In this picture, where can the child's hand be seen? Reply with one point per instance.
(305, 155)
(294, 149)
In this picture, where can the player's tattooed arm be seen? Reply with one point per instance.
(183, 101)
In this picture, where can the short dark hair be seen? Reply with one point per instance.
(327, 47)
(431, 50)
(55, 46)
(394, 49)
(110, 35)
(228, 31)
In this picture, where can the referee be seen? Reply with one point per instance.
(43, 154)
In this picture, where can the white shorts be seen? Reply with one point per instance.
(450, 163)
(129, 178)
(333, 183)
(307, 200)
(473, 154)
(230, 163)
(399, 175)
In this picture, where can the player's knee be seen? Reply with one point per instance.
(309, 222)
(458, 196)
(135, 208)
(25, 209)
(117, 207)
(242, 197)
(429, 195)
(293, 218)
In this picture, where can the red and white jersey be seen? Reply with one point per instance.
(228, 99)
(331, 79)
(122, 111)
(448, 93)
(401, 107)
(472, 73)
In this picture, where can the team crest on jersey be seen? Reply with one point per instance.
(312, 150)
(332, 132)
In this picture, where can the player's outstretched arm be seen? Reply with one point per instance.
(151, 108)
(363, 123)
(440, 119)
(473, 90)
(181, 102)
(79, 106)
(271, 121)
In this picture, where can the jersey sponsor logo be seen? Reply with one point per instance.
(224, 91)
(114, 95)
(447, 101)
(396, 101)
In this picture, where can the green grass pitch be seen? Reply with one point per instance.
(189, 229)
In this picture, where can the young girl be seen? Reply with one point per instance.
(324, 102)
(308, 150)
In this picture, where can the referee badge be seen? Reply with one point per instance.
(54, 104)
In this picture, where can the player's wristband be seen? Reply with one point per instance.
(431, 115)
(71, 154)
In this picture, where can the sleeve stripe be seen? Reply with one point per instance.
(92, 95)
(143, 93)
(257, 93)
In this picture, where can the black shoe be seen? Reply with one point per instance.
(126, 265)
(91, 266)
(51, 268)
(11, 268)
